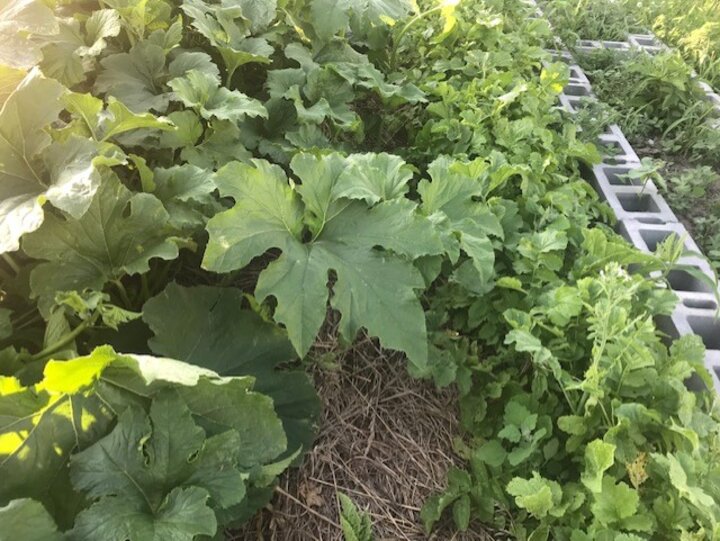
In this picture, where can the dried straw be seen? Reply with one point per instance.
(385, 441)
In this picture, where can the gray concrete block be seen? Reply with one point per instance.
(618, 45)
(647, 237)
(577, 75)
(578, 89)
(704, 323)
(630, 202)
(714, 98)
(647, 42)
(696, 292)
(616, 175)
(561, 55)
(616, 148)
(705, 87)
(573, 104)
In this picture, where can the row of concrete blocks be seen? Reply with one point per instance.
(645, 42)
(645, 220)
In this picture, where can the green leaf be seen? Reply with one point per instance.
(373, 178)
(615, 502)
(565, 304)
(134, 78)
(38, 430)
(572, 424)
(203, 92)
(461, 512)
(599, 456)
(69, 54)
(119, 119)
(188, 130)
(379, 11)
(206, 437)
(19, 20)
(118, 235)
(374, 289)
(491, 453)
(679, 479)
(187, 193)
(153, 462)
(103, 23)
(227, 28)
(31, 107)
(27, 520)
(356, 526)
(217, 333)
(182, 516)
(536, 495)
(329, 17)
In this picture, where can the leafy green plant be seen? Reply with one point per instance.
(658, 99)
(207, 180)
(356, 525)
(344, 207)
(584, 19)
(649, 171)
(577, 445)
(135, 447)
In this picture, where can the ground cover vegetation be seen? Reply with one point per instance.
(692, 27)
(189, 189)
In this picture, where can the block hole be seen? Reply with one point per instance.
(615, 44)
(635, 202)
(707, 328)
(616, 178)
(654, 237)
(645, 41)
(577, 90)
(681, 280)
(704, 304)
(666, 326)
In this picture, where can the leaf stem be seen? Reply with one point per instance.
(65, 340)
(11, 263)
(124, 297)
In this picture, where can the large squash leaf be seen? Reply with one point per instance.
(19, 21)
(373, 288)
(171, 464)
(28, 520)
(215, 332)
(27, 111)
(118, 235)
(229, 27)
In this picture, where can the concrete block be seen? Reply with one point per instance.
(561, 55)
(703, 322)
(647, 42)
(577, 75)
(618, 45)
(705, 87)
(714, 98)
(616, 175)
(574, 104)
(630, 202)
(647, 237)
(694, 291)
(589, 43)
(578, 89)
(616, 146)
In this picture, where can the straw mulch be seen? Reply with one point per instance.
(385, 441)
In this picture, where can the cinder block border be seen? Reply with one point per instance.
(644, 217)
